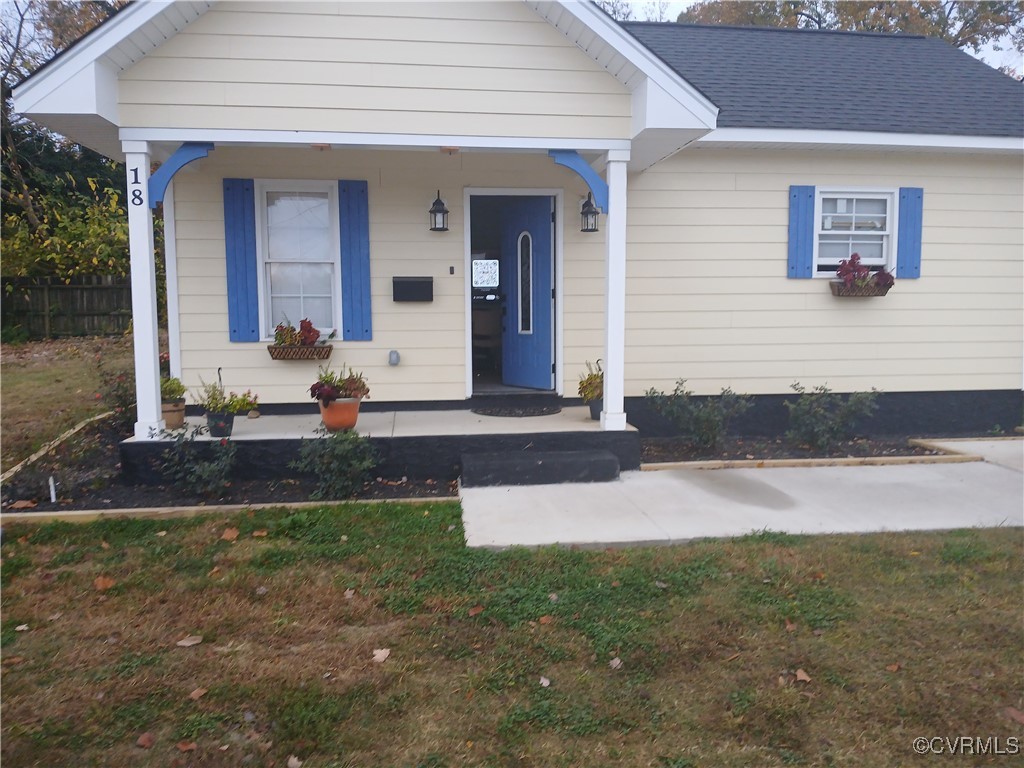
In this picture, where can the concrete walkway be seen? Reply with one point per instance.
(676, 505)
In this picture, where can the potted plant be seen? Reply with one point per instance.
(302, 343)
(222, 406)
(338, 395)
(591, 389)
(172, 402)
(855, 279)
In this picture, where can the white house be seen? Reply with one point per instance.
(301, 146)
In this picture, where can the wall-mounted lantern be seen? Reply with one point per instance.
(588, 215)
(438, 215)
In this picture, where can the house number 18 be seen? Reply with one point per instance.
(136, 194)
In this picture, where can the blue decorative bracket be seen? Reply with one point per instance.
(183, 155)
(571, 160)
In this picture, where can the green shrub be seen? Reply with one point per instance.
(201, 467)
(340, 461)
(821, 418)
(705, 420)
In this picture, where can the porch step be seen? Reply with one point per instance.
(538, 467)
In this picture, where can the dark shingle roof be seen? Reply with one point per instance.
(787, 78)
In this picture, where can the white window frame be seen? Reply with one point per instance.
(891, 194)
(262, 187)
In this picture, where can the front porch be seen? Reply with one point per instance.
(411, 443)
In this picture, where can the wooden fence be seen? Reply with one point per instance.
(88, 306)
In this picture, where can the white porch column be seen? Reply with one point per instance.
(613, 417)
(148, 423)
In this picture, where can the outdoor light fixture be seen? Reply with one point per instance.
(438, 215)
(588, 215)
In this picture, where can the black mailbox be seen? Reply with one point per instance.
(412, 288)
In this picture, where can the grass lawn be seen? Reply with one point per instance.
(768, 650)
(47, 387)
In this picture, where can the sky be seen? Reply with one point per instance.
(989, 55)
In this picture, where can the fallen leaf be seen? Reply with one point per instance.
(146, 740)
(215, 570)
(23, 539)
(161, 533)
(197, 694)
(186, 746)
(380, 655)
(893, 667)
(544, 682)
(733, 657)
(258, 534)
(230, 534)
(790, 626)
(802, 677)
(1014, 714)
(616, 583)
(476, 610)
(615, 663)
(915, 554)
(10, 661)
(104, 545)
(294, 762)
(188, 642)
(261, 591)
(553, 597)
(661, 585)
(103, 583)
(349, 594)
(21, 628)
(23, 504)
(54, 616)
(545, 619)
(224, 747)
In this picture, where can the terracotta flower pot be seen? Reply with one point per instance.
(173, 413)
(340, 414)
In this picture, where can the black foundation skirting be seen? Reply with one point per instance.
(920, 414)
(433, 457)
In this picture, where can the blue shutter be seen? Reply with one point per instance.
(801, 231)
(240, 242)
(356, 324)
(908, 239)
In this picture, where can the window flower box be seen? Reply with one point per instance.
(298, 352)
(302, 343)
(841, 289)
(855, 279)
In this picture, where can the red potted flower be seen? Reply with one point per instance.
(338, 395)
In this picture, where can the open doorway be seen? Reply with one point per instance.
(512, 279)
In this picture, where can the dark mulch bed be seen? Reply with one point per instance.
(666, 449)
(86, 469)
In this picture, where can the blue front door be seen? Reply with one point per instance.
(527, 358)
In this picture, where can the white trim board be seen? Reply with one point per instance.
(737, 137)
(227, 136)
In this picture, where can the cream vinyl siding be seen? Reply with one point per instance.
(708, 299)
(483, 69)
(431, 337)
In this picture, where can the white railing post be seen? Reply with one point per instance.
(613, 417)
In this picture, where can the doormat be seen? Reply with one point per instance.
(519, 411)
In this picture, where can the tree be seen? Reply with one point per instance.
(965, 25)
(43, 175)
(622, 10)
